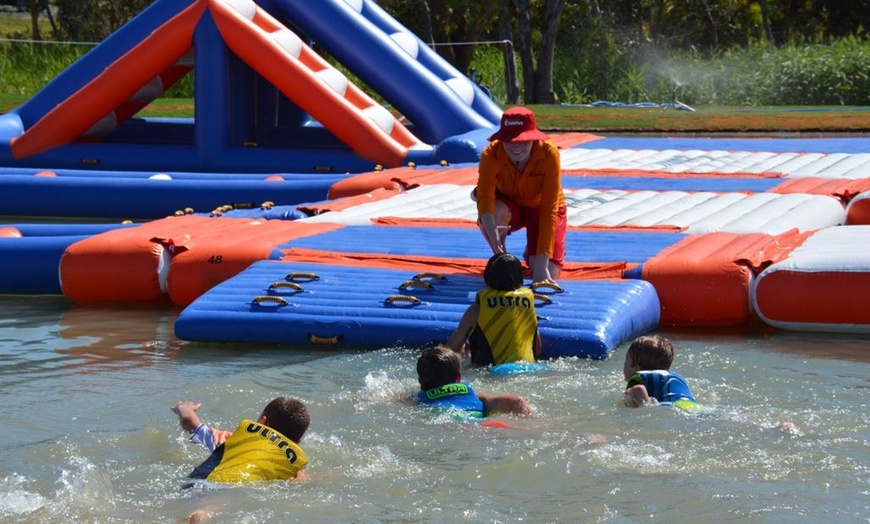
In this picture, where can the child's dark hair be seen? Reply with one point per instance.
(503, 272)
(651, 352)
(437, 366)
(287, 416)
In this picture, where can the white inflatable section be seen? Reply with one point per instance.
(186, 60)
(462, 87)
(334, 79)
(842, 256)
(163, 269)
(104, 126)
(703, 212)
(150, 91)
(791, 165)
(697, 213)
(435, 200)
(246, 8)
(288, 40)
(407, 42)
(380, 116)
(356, 5)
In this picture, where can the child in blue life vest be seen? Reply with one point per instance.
(501, 325)
(265, 449)
(650, 381)
(441, 385)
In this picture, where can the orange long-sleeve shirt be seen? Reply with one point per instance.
(538, 185)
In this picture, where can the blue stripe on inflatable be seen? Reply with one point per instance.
(376, 308)
(772, 145)
(580, 246)
(719, 184)
(22, 195)
(30, 266)
(61, 230)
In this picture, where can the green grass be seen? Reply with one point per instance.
(706, 119)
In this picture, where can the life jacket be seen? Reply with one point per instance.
(457, 396)
(506, 327)
(253, 452)
(667, 387)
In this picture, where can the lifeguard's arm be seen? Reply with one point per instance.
(187, 417)
(538, 344)
(549, 212)
(463, 330)
(513, 404)
(302, 476)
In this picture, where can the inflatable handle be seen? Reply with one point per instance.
(554, 287)
(292, 285)
(434, 276)
(390, 300)
(309, 277)
(415, 283)
(269, 298)
(326, 341)
(543, 298)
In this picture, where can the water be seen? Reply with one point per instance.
(89, 437)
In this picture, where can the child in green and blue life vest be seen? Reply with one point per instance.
(441, 385)
(649, 379)
(265, 449)
(501, 326)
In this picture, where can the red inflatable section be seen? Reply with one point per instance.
(809, 297)
(179, 257)
(113, 87)
(344, 109)
(9, 232)
(224, 248)
(705, 280)
(858, 210)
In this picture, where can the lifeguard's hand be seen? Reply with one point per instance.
(540, 266)
(495, 235)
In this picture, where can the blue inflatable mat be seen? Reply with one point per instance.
(301, 304)
(580, 246)
(720, 184)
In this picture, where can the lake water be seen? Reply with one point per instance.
(89, 437)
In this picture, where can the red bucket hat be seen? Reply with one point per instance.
(518, 125)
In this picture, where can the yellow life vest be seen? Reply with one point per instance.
(258, 452)
(508, 321)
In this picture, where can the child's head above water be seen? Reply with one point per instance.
(437, 366)
(650, 352)
(288, 417)
(503, 272)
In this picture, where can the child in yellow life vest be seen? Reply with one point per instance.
(265, 449)
(501, 325)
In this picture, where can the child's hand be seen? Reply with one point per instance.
(186, 411)
(185, 406)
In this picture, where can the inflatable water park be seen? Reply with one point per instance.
(294, 208)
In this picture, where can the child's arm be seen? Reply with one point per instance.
(513, 404)
(463, 330)
(187, 417)
(636, 396)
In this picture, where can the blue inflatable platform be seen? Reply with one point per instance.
(275, 302)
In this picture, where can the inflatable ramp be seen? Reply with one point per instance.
(343, 306)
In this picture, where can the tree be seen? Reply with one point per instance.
(537, 60)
